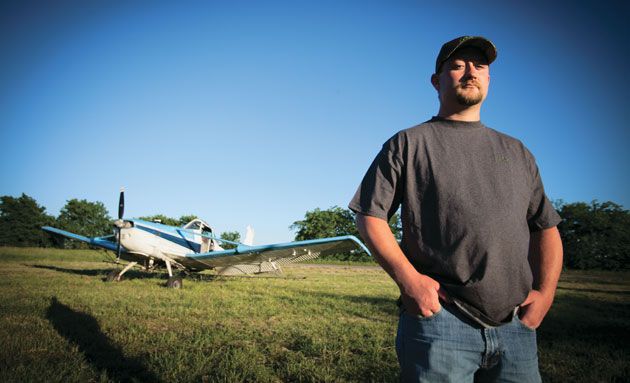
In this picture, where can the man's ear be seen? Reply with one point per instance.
(435, 81)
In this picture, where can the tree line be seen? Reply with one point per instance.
(594, 235)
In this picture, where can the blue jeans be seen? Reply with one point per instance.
(447, 347)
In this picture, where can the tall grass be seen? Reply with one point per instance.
(60, 322)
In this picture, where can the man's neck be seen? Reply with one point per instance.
(471, 113)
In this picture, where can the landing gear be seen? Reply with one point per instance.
(113, 276)
(149, 266)
(116, 275)
(174, 282)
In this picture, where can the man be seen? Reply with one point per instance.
(480, 256)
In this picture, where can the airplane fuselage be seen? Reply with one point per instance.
(160, 242)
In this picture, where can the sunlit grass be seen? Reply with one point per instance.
(60, 322)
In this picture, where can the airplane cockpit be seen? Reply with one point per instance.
(200, 227)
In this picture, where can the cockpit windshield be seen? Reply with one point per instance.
(198, 226)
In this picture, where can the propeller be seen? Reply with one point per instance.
(121, 210)
(121, 203)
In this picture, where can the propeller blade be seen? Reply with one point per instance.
(121, 203)
(121, 210)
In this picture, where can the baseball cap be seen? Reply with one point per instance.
(449, 48)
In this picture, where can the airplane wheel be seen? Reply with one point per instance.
(174, 282)
(111, 277)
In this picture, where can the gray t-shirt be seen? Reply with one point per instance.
(469, 197)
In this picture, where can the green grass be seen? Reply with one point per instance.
(60, 322)
(367, 261)
(586, 335)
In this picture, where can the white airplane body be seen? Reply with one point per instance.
(194, 247)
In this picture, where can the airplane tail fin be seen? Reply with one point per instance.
(249, 237)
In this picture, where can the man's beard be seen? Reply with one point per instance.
(467, 98)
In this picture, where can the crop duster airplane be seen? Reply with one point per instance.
(194, 247)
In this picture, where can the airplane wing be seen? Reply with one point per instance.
(255, 259)
(98, 241)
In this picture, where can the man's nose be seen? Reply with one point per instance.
(471, 70)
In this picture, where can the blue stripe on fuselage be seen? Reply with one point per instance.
(177, 239)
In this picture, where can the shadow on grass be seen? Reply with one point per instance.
(90, 273)
(594, 322)
(84, 331)
(585, 340)
(131, 274)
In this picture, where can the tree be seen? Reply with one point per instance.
(395, 225)
(184, 219)
(90, 219)
(319, 223)
(161, 219)
(595, 236)
(233, 236)
(21, 220)
(333, 222)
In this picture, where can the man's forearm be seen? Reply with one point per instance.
(545, 253)
(419, 293)
(384, 247)
(545, 258)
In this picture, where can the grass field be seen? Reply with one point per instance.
(59, 322)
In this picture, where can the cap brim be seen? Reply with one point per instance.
(482, 43)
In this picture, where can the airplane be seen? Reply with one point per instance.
(194, 247)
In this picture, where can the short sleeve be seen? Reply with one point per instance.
(541, 214)
(379, 194)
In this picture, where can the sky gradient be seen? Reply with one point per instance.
(252, 113)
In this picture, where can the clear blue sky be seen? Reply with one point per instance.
(252, 113)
